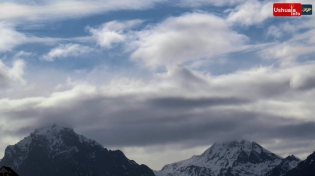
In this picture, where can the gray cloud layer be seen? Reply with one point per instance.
(156, 118)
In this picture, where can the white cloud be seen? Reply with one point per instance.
(9, 37)
(306, 38)
(300, 1)
(50, 40)
(255, 12)
(274, 31)
(188, 37)
(300, 46)
(57, 9)
(66, 50)
(50, 10)
(71, 96)
(17, 71)
(281, 29)
(23, 54)
(13, 74)
(112, 32)
(251, 12)
(287, 52)
(198, 3)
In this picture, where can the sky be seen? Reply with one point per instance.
(161, 80)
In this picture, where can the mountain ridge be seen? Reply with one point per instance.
(287, 164)
(304, 168)
(52, 150)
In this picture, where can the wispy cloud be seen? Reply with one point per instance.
(11, 38)
(282, 29)
(289, 51)
(67, 50)
(51, 10)
(112, 32)
(198, 3)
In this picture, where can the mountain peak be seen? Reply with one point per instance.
(287, 164)
(51, 129)
(58, 150)
(304, 168)
(292, 157)
(53, 134)
(52, 138)
(312, 155)
(238, 157)
(234, 142)
(243, 146)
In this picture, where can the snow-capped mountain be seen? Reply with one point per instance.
(237, 158)
(56, 150)
(304, 168)
(287, 164)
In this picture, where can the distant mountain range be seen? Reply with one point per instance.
(56, 150)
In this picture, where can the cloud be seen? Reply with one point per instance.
(261, 104)
(14, 74)
(294, 49)
(17, 71)
(9, 37)
(112, 32)
(304, 80)
(180, 102)
(51, 10)
(33, 10)
(282, 29)
(57, 98)
(199, 3)
(274, 31)
(287, 52)
(188, 37)
(245, 104)
(23, 54)
(67, 50)
(251, 12)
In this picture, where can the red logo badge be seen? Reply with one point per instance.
(287, 9)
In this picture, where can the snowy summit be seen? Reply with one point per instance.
(243, 158)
